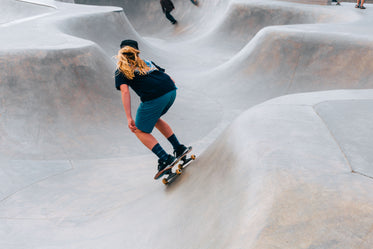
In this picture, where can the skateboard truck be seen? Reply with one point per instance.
(184, 162)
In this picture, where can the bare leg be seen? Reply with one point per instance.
(164, 128)
(362, 2)
(146, 138)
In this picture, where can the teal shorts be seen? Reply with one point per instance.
(149, 112)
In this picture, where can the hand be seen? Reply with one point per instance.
(131, 125)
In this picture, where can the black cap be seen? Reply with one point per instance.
(130, 43)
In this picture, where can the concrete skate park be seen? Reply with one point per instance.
(274, 96)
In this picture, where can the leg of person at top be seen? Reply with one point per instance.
(362, 4)
(166, 130)
(170, 17)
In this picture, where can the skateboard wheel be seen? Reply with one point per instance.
(193, 157)
(164, 180)
(178, 171)
(180, 166)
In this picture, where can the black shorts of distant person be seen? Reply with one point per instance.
(167, 7)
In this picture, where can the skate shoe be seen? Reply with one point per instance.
(182, 149)
(164, 167)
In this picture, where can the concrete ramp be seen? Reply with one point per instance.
(275, 98)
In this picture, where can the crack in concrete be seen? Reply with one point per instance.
(339, 146)
(362, 174)
(334, 138)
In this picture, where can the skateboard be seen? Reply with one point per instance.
(195, 2)
(182, 161)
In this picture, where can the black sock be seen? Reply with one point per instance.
(173, 140)
(160, 152)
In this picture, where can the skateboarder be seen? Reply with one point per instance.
(167, 7)
(157, 92)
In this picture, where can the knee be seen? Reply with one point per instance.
(140, 132)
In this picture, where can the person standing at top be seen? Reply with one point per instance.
(167, 7)
(157, 92)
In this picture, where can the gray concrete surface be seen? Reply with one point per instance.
(275, 98)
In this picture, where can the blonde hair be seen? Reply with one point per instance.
(129, 62)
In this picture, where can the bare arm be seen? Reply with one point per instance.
(126, 99)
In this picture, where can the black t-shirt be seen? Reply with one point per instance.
(149, 86)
